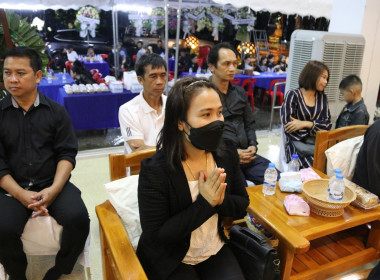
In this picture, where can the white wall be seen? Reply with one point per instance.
(362, 17)
(347, 16)
(371, 70)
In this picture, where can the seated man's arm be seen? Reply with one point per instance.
(47, 196)
(249, 154)
(131, 129)
(15, 190)
(137, 145)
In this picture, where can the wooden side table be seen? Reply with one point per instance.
(317, 247)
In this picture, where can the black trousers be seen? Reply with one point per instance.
(375, 273)
(68, 210)
(254, 171)
(222, 266)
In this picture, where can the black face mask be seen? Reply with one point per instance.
(206, 137)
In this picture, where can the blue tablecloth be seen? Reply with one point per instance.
(51, 90)
(171, 65)
(103, 67)
(263, 80)
(94, 110)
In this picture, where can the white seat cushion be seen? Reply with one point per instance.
(41, 236)
(343, 156)
(122, 194)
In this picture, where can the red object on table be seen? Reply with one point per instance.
(203, 52)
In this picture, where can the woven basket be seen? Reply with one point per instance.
(315, 192)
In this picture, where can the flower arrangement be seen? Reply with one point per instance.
(243, 30)
(172, 20)
(87, 20)
(204, 21)
(158, 12)
(219, 13)
(141, 22)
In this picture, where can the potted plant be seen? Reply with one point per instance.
(22, 34)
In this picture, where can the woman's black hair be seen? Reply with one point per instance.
(80, 69)
(262, 60)
(310, 74)
(178, 103)
(34, 57)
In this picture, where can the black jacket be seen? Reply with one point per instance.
(238, 118)
(367, 168)
(168, 215)
(353, 114)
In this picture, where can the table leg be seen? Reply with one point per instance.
(374, 236)
(286, 255)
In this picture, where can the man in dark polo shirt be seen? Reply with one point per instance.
(238, 116)
(37, 153)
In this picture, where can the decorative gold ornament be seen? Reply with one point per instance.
(247, 48)
(192, 42)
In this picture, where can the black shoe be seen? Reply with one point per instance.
(52, 274)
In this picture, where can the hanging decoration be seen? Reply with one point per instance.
(172, 21)
(185, 23)
(210, 18)
(157, 20)
(217, 21)
(141, 22)
(244, 22)
(87, 21)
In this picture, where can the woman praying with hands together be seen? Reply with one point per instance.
(187, 188)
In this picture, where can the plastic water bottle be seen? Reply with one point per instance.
(332, 178)
(270, 179)
(191, 70)
(336, 171)
(64, 75)
(336, 189)
(49, 77)
(294, 165)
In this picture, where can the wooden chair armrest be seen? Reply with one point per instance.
(119, 258)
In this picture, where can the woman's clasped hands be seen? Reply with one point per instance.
(213, 187)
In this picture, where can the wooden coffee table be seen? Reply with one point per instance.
(317, 247)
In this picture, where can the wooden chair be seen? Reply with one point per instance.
(118, 256)
(327, 139)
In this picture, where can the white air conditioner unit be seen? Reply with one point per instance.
(342, 53)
